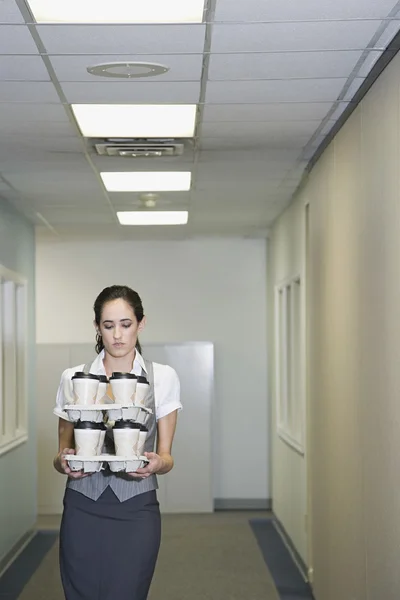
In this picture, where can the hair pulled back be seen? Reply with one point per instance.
(116, 292)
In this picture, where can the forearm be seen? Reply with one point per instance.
(65, 440)
(165, 430)
(168, 463)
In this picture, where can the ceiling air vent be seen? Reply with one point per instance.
(139, 148)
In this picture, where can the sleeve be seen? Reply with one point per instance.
(166, 390)
(64, 395)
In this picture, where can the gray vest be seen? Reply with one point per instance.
(123, 486)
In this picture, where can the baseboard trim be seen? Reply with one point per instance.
(297, 559)
(242, 504)
(16, 550)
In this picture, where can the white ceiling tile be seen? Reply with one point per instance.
(20, 91)
(281, 37)
(122, 39)
(294, 90)
(87, 232)
(16, 39)
(23, 146)
(219, 200)
(183, 67)
(247, 157)
(293, 10)
(256, 130)
(41, 161)
(266, 112)
(17, 112)
(63, 215)
(45, 199)
(287, 65)
(219, 185)
(41, 129)
(51, 181)
(132, 92)
(23, 68)
(255, 170)
(239, 216)
(9, 12)
(259, 143)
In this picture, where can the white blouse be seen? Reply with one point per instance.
(166, 386)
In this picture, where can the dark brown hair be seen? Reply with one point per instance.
(115, 292)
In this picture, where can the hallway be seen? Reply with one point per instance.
(202, 557)
(235, 165)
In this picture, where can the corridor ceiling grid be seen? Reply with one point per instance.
(269, 78)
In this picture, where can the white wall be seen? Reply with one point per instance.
(18, 467)
(203, 290)
(354, 351)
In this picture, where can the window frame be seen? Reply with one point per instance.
(290, 362)
(18, 399)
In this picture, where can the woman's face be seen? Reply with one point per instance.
(119, 328)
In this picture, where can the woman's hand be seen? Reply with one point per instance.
(61, 465)
(157, 464)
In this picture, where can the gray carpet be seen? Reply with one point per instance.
(202, 557)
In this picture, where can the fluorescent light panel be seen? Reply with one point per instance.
(117, 11)
(136, 120)
(179, 217)
(147, 181)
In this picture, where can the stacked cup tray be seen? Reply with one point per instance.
(94, 464)
(129, 391)
(115, 412)
(95, 414)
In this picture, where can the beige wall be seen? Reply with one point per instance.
(354, 351)
(289, 483)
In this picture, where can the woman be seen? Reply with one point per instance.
(110, 530)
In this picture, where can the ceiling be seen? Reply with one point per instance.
(270, 80)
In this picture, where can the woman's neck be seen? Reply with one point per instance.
(123, 364)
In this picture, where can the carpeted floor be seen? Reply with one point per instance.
(202, 557)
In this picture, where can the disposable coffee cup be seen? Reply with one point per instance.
(142, 439)
(102, 437)
(85, 387)
(126, 437)
(142, 389)
(101, 397)
(88, 438)
(123, 387)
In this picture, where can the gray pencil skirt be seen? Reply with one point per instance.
(108, 548)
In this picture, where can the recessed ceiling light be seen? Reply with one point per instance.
(147, 181)
(127, 70)
(153, 217)
(117, 11)
(136, 120)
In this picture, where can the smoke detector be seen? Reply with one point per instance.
(127, 70)
(149, 199)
